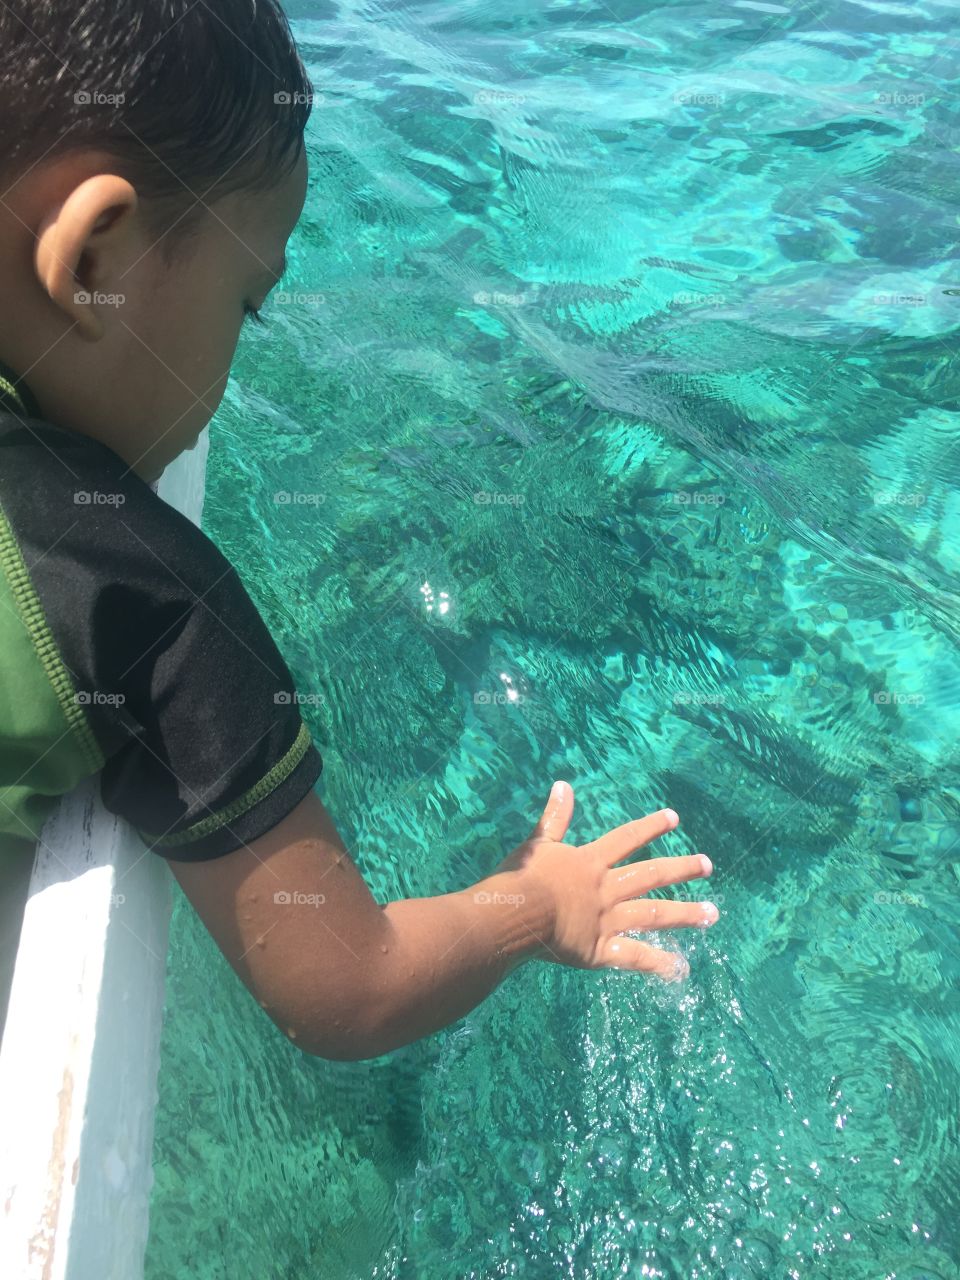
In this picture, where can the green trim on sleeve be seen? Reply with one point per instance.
(15, 396)
(31, 612)
(269, 782)
(7, 388)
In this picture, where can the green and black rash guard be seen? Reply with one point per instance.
(130, 648)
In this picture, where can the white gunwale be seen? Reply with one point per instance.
(81, 1045)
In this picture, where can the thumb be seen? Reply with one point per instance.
(557, 813)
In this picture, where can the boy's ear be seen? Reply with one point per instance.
(80, 247)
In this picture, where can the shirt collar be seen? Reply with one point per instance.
(15, 396)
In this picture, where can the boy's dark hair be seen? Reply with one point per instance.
(194, 98)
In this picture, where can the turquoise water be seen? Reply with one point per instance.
(614, 396)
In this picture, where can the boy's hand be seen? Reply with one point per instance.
(347, 978)
(595, 901)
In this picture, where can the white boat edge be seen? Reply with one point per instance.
(81, 1045)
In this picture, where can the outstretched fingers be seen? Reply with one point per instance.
(556, 815)
(640, 957)
(653, 914)
(640, 877)
(622, 841)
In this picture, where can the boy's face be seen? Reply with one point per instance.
(175, 370)
(115, 341)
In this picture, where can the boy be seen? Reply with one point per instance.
(153, 169)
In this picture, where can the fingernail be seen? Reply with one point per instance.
(558, 790)
(706, 864)
(671, 816)
(711, 913)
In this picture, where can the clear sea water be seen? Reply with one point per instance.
(615, 395)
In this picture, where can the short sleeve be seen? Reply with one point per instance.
(221, 753)
(185, 691)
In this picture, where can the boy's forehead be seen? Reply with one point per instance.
(265, 219)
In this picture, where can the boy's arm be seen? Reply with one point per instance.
(348, 979)
(341, 975)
